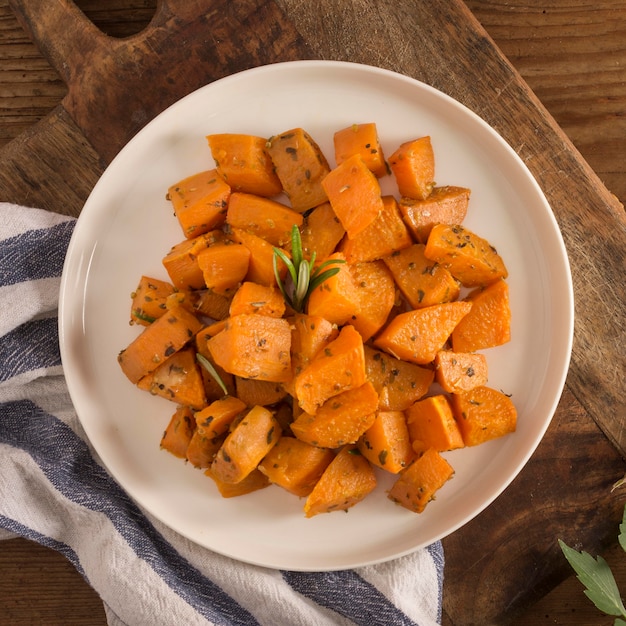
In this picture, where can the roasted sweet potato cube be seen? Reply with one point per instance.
(386, 234)
(295, 465)
(254, 298)
(321, 232)
(263, 217)
(457, 372)
(177, 379)
(386, 442)
(421, 281)
(300, 166)
(338, 367)
(483, 414)
(413, 166)
(488, 324)
(344, 483)
(246, 445)
(417, 484)
(354, 193)
(471, 259)
(254, 481)
(179, 432)
(157, 342)
(261, 263)
(215, 419)
(361, 139)
(254, 346)
(337, 298)
(244, 163)
(444, 205)
(398, 383)
(418, 335)
(377, 295)
(181, 262)
(431, 424)
(202, 449)
(340, 420)
(224, 266)
(261, 392)
(200, 202)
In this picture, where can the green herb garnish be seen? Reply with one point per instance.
(208, 366)
(598, 578)
(305, 277)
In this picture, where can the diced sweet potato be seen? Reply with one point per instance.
(310, 334)
(377, 295)
(483, 414)
(181, 262)
(202, 449)
(179, 432)
(416, 486)
(211, 387)
(361, 139)
(295, 465)
(254, 346)
(261, 264)
(398, 383)
(157, 342)
(431, 425)
(422, 281)
(149, 300)
(300, 166)
(224, 266)
(321, 232)
(262, 217)
(177, 379)
(213, 305)
(418, 335)
(337, 298)
(386, 234)
(386, 442)
(200, 202)
(254, 481)
(471, 259)
(261, 392)
(338, 367)
(344, 483)
(215, 419)
(488, 324)
(444, 205)
(340, 420)
(244, 163)
(354, 194)
(457, 372)
(254, 298)
(413, 166)
(246, 445)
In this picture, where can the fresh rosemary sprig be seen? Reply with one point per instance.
(305, 277)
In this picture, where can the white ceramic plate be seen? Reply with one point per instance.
(127, 226)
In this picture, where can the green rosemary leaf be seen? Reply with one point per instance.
(320, 278)
(296, 246)
(208, 366)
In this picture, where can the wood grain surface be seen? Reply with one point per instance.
(573, 55)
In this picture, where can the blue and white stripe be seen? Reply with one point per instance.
(54, 491)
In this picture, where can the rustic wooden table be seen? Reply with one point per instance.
(572, 55)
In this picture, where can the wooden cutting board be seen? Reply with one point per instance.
(507, 557)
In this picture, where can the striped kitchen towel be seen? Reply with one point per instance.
(53, 490)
